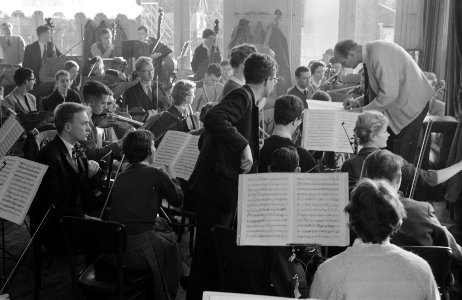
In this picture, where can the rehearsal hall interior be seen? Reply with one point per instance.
(230, 149)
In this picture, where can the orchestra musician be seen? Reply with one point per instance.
(159, 53)
(105, 47)
(229, 147)
(317, 76)
(209, 90)
(136, 198)
(20, 100)
(395, 85)
(12, 45)
(68, 180)
(300, 89)
(76, 79)
(141, 98)
(227, 71)
(288, 111)
(36, 53)
(237, 56)
(62, 93)
(202, 54)
(183, 95)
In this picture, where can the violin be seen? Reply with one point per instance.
(113, 118)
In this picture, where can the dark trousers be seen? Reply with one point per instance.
(405, 143)
(204, 272)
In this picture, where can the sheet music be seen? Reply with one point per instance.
(264, 209)
(319, 203)
(170, 148)
(318, 104)
(19, 182)
(323, 131)
(234, 296)
(188, 158)
(10, 132)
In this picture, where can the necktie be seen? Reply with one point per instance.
(149, 92)
(366, 86)
(77, 158)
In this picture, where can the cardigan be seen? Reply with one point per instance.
(374, 271)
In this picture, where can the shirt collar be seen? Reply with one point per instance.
(303, 91)
(68, 145)
(283, 134)
(237, 80)
(359, 242)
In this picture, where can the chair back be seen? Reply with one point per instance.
(439, 259)
(242, 269)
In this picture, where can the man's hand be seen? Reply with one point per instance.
(246, 160)
(350, 103)
(93, 168)
(152, 112)
(170, 171)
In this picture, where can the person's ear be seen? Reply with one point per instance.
(67, 127)
(298, 170)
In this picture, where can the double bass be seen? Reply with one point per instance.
(51, 48)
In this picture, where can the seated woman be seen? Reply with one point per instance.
(373, 268)
(371, 134)
(183, 96)
(136, 199)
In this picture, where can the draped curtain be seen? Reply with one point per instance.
(454, 59)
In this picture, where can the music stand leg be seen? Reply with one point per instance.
(3, 251)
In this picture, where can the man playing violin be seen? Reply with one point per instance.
(36, 53)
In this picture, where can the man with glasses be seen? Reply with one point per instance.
(205, 54)
(20, 100)
(141, 98)
(229, 147)
(12, 45)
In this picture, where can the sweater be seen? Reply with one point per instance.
(374, 271)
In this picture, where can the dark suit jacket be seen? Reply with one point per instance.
(50, 102)
(230, 126)
(182, 125)
(63, 186)
(201, 60)
(296, 92)
(33, 57)
(229, 86)
(136, 97)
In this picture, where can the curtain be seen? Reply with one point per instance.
(435, 34)
(454, 59)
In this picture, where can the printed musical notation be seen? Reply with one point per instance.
(179, 149)
(19, 181)
(291, 208)
(10, 132)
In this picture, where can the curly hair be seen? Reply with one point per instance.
(180, 91)
(259, 67)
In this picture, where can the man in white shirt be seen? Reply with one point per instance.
(11, 45)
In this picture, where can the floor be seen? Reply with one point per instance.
(56, 279)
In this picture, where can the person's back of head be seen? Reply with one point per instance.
(322, 96)
(138, 145)
(343, 47)
(239, 53)
(287, 109)
(258, 68)
(369, 122)
(383, 164)
(375, 210)
(285, 159)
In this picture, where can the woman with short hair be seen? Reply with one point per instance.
(136, 200)
(183, 96)
(373, 268)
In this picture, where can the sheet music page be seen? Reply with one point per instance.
(10, 132)
(264, 209)
(170, 148)
(187, 158)
(18, 191)
(318, 104)
(323, 131)
(234, 296)
(318, 209)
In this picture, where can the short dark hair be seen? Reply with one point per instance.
(321, 95)
(105, 31)
(345, 46)
(300, 70)
(315, 65)
(61, 73)
(205, 109)
(68, 65)
(375, 210)
(207, 32)
(180, 90)
(41, 29)
(137, 145)
(239, 53)
(334, 60)
(64, 113)
(214, 69)
(21, 75)
(284, 159)
(94, 90)
(382, 164)
(7, 24)
(259, 67)
(287, 108)
(144, 28)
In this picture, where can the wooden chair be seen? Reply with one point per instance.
(93, 238)
(439, 259)
(242, 269)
